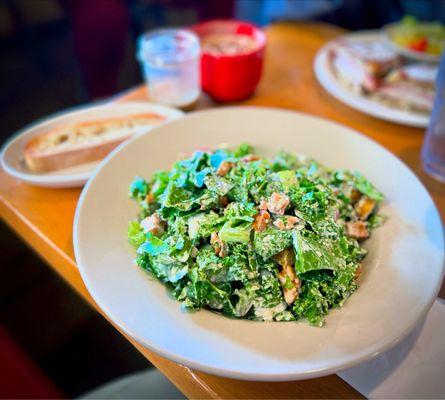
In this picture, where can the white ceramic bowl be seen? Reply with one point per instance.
(12, 153)
(387, 33)
(402, 275)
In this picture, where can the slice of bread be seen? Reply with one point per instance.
(76, 144)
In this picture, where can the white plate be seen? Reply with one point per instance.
(403, 270)
(12, 153)
(327, 78)
(414, 55)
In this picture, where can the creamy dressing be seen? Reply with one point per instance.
(267, 314)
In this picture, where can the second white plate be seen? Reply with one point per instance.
(333, 86)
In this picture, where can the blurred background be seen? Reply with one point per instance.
(55, 54)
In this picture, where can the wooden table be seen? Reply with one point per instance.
(44, 217)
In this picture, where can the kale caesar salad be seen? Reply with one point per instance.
(250, 237)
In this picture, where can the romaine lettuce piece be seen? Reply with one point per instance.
(236, 230)
(245, 301)
(217, 158)
(243, 150)
(218, 184)
(174, 200)
(288, 180)
(271, 241)
(238, 265)
(202, 225)
(135, 233)
(312, 253)
(211, 265)
(153, 246)
(235, 209)
(139, 188)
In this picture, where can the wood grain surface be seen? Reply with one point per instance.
(44, 217)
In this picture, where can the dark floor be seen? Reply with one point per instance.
(72, 344)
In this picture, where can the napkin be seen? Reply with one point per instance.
(415, 368)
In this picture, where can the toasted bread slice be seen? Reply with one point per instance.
(76, 144)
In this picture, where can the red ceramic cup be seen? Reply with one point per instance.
(231, 77)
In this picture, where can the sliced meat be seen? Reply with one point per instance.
(358, 272)
(357, 230)
(279, 224)
(286, 223)
(218, 245)
(364, 207)
(150, 198)
(362, 63)
(194, 252)
(263, 204)
(376, 58)
(277, 203)
(261, 221)
(153, 224)
(406, 96)
(353, 72)
(224, 201)
(289, 283)
(285, 257)
(291, 221)
(224, 168)
(354, 195)
(250, 158)
(419, 74)
(287, 277)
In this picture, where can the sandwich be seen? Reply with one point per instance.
(361, 65)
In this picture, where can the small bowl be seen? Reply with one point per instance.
(387, 33)
(231, 77)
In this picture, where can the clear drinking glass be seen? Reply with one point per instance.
(433, 151)
(170, 62)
